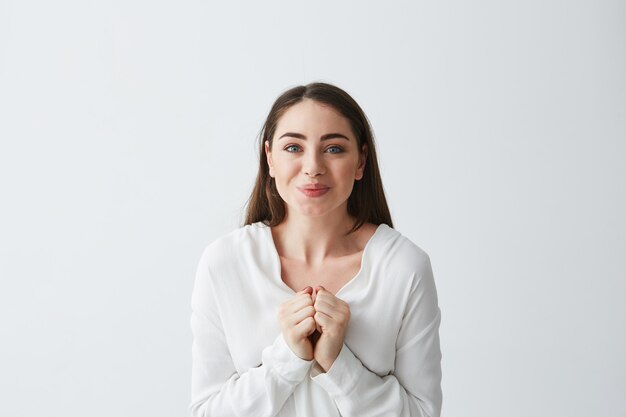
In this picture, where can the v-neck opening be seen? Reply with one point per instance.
(279, 267)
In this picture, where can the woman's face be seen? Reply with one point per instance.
(314, 159)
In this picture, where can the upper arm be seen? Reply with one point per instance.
(418, 352)
(211, 360)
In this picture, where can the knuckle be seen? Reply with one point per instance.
(344, 316)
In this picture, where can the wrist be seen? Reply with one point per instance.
(300, 347)
(324, 363)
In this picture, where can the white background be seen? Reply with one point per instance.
(128, 143)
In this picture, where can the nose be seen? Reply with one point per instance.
(313, 164)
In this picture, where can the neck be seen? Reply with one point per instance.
(314, 239)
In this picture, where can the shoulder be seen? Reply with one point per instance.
(231, 246)
(401, 254)
(408, 266)
(220, 265)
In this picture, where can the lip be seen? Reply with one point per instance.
(313, 186)
(314, 190)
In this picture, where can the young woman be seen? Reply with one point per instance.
(316, 306)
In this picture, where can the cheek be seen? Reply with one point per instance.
(284, 168)
(348, 171)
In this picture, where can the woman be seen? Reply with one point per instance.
(316, 306)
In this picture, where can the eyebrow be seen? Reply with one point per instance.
(324, 137)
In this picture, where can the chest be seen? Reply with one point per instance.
(375, 321)
(332, 274)
(250, 298)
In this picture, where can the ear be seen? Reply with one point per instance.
(361, 167)
(268, 155)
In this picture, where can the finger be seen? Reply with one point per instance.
(320, 290)
(339, 311)
(301, 315)
(306, 327)
(306, 290)
(323, 294)
(318, 326)
(328, 305)
(314, 295)
(322, 320)
(297, 303)
(329, 296)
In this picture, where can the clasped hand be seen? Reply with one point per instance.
(314, 323)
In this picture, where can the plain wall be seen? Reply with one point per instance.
(128, 143)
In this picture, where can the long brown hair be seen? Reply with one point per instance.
(367, 202)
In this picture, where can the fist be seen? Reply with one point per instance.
(297, 323)
(331, 321)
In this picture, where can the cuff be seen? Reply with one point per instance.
(343, 375)
(281, 359)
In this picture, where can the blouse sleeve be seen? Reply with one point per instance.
(217, 389)
(414, 388)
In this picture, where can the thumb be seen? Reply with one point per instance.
(319, 288)
(306, 290)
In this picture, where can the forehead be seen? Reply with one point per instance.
(313, 118)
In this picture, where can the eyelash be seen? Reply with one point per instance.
(339, 149)
(290, 146)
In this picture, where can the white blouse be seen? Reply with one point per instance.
(390, 363)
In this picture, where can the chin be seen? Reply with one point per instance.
(315, 209)
(311, 212)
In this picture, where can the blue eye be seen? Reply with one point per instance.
(334, 149)
(291, 148)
